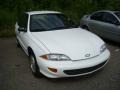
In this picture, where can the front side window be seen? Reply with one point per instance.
(23, 20)
(97, 16)
(49, 22)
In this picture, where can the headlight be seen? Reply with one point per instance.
(55, 57)
(103, 48)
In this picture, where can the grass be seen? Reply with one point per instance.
(7, 33)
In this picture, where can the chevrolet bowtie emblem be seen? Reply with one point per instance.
(87, 55)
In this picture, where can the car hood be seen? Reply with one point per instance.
(75, 43)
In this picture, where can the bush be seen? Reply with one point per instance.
(7, 19)
(9, 9)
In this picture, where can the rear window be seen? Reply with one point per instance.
(117, 14)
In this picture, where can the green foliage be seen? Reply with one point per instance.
(7, 33)
(10, 9)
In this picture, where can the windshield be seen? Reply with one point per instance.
(49, 22)
(118, 14)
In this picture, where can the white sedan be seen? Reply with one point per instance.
(56, 47)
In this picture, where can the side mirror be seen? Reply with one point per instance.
(22, 29)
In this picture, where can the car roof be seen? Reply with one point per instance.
(109, 11)
(41, 12)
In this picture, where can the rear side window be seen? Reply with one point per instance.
(110, 18)
(97, 16)
(23, 20)
(118, 14)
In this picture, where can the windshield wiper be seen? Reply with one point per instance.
(38, 30)
(57, 28)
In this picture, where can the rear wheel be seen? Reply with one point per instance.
(34, 66)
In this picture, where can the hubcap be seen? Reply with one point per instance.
(32, 64)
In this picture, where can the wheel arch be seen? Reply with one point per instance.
(30, 51)
(34, 51)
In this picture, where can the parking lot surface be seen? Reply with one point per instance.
(15, 73)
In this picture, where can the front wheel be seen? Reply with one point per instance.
(34, 66)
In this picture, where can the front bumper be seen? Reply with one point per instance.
(73, 68)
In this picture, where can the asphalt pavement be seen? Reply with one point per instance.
(15, 73)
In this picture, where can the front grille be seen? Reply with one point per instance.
(83, 70)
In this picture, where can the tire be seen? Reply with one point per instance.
(17, 43)
(34, 66)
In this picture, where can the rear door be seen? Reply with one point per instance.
(111, 27)
(95, 23)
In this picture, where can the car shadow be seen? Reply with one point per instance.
(113, 43)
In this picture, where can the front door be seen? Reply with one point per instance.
(22, 35)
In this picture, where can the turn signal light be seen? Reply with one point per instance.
(52, 69)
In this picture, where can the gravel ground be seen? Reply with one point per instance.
(15, 73)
